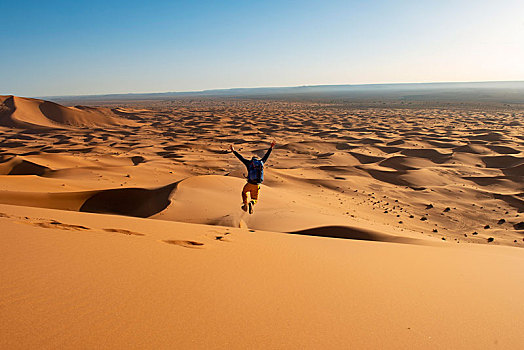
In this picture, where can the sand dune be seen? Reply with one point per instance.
(36, 114)
(18, 166)
(137, 202)
(80, 280)
(370, 221)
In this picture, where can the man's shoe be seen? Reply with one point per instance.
(244, 207)
(251, 205)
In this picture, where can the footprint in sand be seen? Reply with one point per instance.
(59, 225)
(123, 231)
(218, 235)
(222, 237)
(186, 244)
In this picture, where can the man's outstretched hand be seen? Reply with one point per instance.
(273, 143)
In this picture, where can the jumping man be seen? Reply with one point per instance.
(255, 176)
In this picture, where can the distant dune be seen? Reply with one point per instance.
(31, 113)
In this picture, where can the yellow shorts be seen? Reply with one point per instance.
(253, 190)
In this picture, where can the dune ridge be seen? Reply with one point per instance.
(138, 202)
(31, 113)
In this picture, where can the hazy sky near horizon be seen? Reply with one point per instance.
(96, 47)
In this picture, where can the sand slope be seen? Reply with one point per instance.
(31, 113)
(78, 280)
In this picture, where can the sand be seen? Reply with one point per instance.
(376, 227)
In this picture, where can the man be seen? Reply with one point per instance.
(255, 176)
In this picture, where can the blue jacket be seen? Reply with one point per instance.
(247, 162)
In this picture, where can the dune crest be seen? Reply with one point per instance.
(29, 113)
(137, 202)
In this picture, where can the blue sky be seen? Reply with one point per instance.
(95, 47)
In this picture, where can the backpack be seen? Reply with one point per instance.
(255, 171)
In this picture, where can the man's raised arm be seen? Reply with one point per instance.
(266, 156)
(239, 156)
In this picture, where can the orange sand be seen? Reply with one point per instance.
(376, 200)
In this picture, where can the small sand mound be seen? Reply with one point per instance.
(474, 149)
(139, 202)
(397, 163)
(514, 171)
(491, 136)
(18, 166)
(366, 159)
(347, 232)
(31, 113)
(512, 200)
(503, 150)
(391, 177)
(502, 162)
(431, 154)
